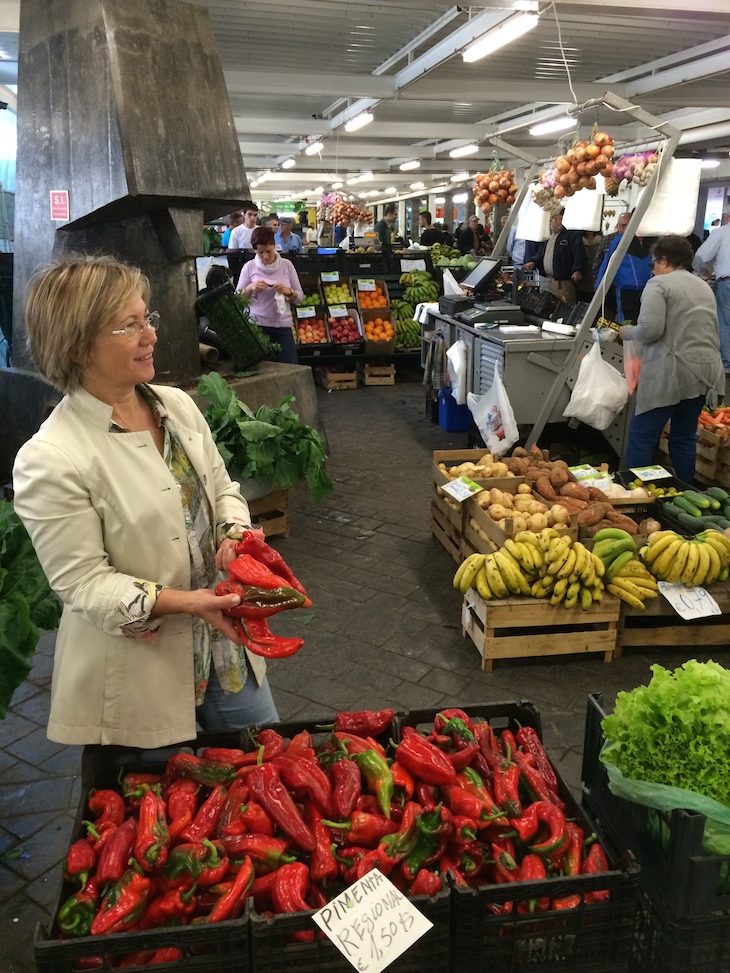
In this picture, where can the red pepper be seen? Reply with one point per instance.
(530, 742)
(566, 902)
(140, 957)
(290, 891)
(487, 744)
(106, 806)
(403, 782)
(364, 723)
(399, 844)
(426, 793)
(471, 859)
(460, 759)
(255, 820)
(465, 829)
(124, 904)
(261, 890)
(253, 544)
(230, 905)
(377, 774)
(259, 639)
(265, 853)
(595, 863)
(534, 779)
(533, 870)
(247, 570)
(426, 883)
(182, 803)
(443, 717)
(364, 829)
(347, 780)
(348, 859)
(322, 865)
(423, 759)
(504, 864)
(506, 780)
(227, 755)
(527, 827)
(229, 820)
(304, 777)
(376, 857)
(451, 866)
(267, 788)
(508, 744)
(268, 744)
(99, 837)
(169, 908)
(573, 849)
(114, 857)
(134, 787)
(168, 954)
(204, 823)
(77, 912)
(153, 836)
(204, 862)
(260, 602)
(80, 862)
(316, 898)
(206, 772)
(301, 745)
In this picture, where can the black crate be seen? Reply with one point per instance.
(664, 945)
(244, 341)
(687, 883)
(273, 951)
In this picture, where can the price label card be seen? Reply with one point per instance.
(406, 265)
(462, 489)
(372, 923)
(689, 603)
(647, 473)
(305, 312)
(584, 472)
(365, 284)
(338, 311)
(330, 276)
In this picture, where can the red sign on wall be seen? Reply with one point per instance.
(60, 206)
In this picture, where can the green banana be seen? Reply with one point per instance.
(616, 564)
(610, 533)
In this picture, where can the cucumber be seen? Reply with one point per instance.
(726, 510)
(683, 503)
(698, 499)
(718, 493)
(713, 521)
(692, 525)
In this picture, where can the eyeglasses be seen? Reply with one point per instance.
(134, 328)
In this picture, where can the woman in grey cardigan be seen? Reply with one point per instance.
(679, 337)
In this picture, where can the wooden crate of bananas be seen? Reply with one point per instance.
(551, 588)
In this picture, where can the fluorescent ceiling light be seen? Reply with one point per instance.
(440, 200)
(528, 5)
(314, 148)
(710, 163)
(364, 118)
(353, 180)
(460, 197)
(464, 150)
(555, 125)
(337, 185)
(253, 184)
(494, 39)
(264, 177)
(412, 164)
(390, 190)
(417, 185)
(288, 163)
(366, 176)
(459, 177)
(319, 190)
(362, 195)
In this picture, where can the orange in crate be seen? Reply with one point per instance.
(379, 330)
(372, 299)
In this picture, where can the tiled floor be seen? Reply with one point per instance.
(384, 630)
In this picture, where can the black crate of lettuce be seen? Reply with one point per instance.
(244, 341)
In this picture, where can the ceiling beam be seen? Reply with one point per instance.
(693, 7)
(670, 60)
(681, 74)
(486, 93)
(257, 125)
(313, 83)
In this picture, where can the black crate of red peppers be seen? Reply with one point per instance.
(537, 891)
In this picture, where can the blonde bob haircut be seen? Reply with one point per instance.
(69, 304)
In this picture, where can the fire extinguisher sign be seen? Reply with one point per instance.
(60, 206)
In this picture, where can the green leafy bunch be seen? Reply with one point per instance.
(27, 604)
(676, 730)
(269, 442)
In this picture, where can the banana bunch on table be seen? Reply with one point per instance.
(420, 287)
(692, 562)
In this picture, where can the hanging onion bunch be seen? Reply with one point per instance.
(496, 188)
(580, 165)
(544, 196)
(637, 168)
(342, 210)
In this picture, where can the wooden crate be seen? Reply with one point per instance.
(712, 462)
(331, 379)
(484, 523)
(658, 624)
(446, 526)
(521, 627)
(377, 374)
(271, 513)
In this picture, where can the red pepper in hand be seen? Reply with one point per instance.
(530, 742)
(107, 806)
(290, 891)
(260, 602)
(77, 912)
(204, 823)
(364, 723)
(169, 908)
(304, 777)
(247, 570)
(114, 857)
(363, 828)
(533, 870)
(124, 904)
(426, 883)
(266, 853)
(347, 780)
(259, 639)
(153, 836)
(80, 862)
(423, 759)
(253, 544)
(595, 863)
(267, 788)
(230, 905)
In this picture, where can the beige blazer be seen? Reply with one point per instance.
(103, 509)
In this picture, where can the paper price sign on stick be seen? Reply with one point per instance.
(689, 603)
(372, 923)
(647, 473)
(462, 489)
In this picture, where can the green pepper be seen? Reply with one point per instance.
(379, 778)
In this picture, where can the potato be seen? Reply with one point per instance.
(519, 451)
(519, 523)
(500, 469)
(534, 473)
(558, 515)
(497, 512)
(483, 499)
(486, 460)
(558, 477)
(443, 468)
(496, 495)
(537, 522)
(524, 488)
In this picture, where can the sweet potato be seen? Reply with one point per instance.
(595, 494)
(574, 490)
(536, 451)
(622, 521)
(559, 477)
(545, 488)
(519, 452)
(591, 515)
(534, 473)
(570, 503)
(592, 531)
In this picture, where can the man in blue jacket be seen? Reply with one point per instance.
(632, 276)
(561, 258)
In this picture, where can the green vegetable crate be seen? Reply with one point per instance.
(686, 884)
(593, 938)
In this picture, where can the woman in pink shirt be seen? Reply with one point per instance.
(273, 286)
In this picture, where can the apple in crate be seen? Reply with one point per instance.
(344, 330)
(313, 331)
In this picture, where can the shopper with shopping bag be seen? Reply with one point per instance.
(681, 366)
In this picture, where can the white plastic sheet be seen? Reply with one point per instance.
(674, 206)
(583, 211)
(533, 223)
(457, 356)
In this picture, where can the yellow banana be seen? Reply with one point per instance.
(693, 560)
(680, 559)
(586, 599)
(597, 594)
(714, 539)
(626, 596)
(513, 576)
(494, 578)
(528, 559)
(716, 535)
(480, 583)
(598, 566)
(520, 553)
(662, 543)
(568, 567)
(626, 584)
(558, 549)
(559, 591)
(470, 572)
(662, 565)
(649, 583)
(702, 568)
(547, 535)
(633, 569)
(465, 564)
(528, 537)
(571, 597)
(656, 537)
(715, 565)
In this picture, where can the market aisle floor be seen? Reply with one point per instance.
(384, 631)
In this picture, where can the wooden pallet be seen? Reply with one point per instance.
(712, 462)
(519, 627)
(271, 513)
(659, 624)
(446, 527)
(377, 374)
(333, 380)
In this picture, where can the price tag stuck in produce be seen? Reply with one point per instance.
(406, 265)
(648, 473)
(462, 489)
(689, 603)
(372, 923)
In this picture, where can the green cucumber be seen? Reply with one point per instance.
(698, 499)
(712, 521)
(684, 504)
(726, 510)
(690, 524)
(718, 493)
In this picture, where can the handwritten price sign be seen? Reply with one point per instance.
(372, 923)
(689, 603)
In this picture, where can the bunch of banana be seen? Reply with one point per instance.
(630, 581)
(697, 561)
(439, 250)
(421, 287)
(407, 334)
(573, 573)
(402, 310)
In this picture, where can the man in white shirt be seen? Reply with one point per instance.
(716, 251)
(241, 234)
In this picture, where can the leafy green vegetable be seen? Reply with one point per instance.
(27, 604)
(268, 442)
(676, 730)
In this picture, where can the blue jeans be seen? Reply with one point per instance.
(285, 338)
(646, 430)
(722, 296)
(253, 706)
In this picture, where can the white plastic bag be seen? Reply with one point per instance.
(494, 417)
(457, 359)
(599, 394)
(451, 286)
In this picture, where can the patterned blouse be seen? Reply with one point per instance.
(209, 645)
